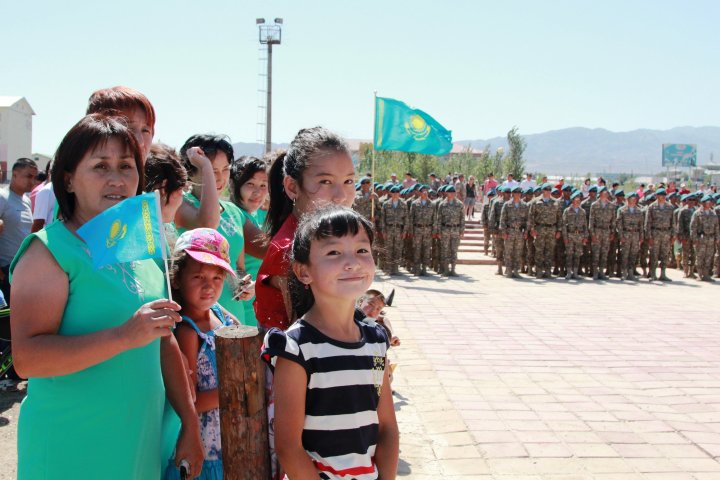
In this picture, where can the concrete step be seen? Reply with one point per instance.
(474, 258)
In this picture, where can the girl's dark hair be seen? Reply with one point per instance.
(210, 144)
(164, 169)
(329, 221)
(177, 264)
(307, 144)
(91, 132)
(242, 170)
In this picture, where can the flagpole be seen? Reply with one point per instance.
(164, 243)
(372, 156)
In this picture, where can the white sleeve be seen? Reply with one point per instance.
(42, 203)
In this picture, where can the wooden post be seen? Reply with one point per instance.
(243, 410)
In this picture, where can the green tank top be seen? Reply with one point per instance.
(231, 225)
(104, 421)
(252, 264)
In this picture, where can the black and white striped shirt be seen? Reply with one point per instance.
(344, 381)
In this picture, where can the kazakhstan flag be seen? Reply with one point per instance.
(399, 127)
(126, 232)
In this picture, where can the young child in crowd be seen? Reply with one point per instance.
(165, 172)
(372, 303)
(334, 415)
(201, 260)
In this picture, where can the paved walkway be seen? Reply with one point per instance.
(537, 379)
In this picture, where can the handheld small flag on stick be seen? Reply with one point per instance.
(129, 231)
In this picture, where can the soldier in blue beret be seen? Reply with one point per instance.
(705, 234)
(485, 220)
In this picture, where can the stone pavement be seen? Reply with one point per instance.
(544, 379)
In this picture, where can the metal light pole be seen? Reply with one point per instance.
(269, 35)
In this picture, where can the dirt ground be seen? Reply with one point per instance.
(10, 397)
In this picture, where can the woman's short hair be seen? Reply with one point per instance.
(119, 99)
(210, 144)
(90, 132)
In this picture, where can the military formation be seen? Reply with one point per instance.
(418, 228)
(546, 231)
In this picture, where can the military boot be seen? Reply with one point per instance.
(499, 270)
(452, 272)
(664, 277)
(653, 276)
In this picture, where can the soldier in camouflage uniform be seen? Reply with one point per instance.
(659, 228)
(449, 229)
(408, 249)
(614, 254)
(485, 220)
(602, 230)
(705, 233)
(436, 254)
(393, 228)
(498, 240)
(586, 258)
(544, 220)
(564, 202)
(574, 234)
(422, 213)
(630, 225)
(513, 225)
(716, 197)
(528, 255)
(682, 232)
(366, 204)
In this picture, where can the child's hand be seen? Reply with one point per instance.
(197, 157)
(394, 341)
(245, 289)
(152, 320)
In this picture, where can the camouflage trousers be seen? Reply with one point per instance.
(528, 259)
(614, 257)
(513, 250)
(499, 247)
(600, 249)
(586, 257)
(486, 238)
(660, 249)
(544, 249)
(573, 251)
(560, 255)
(393, 249)
(704, 253)
(644, 254)
(422, 246)
(449, 244)
(630, 250)
(688, 256)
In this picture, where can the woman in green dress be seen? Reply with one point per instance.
(207, 160)
(91, 346)
(249, 190)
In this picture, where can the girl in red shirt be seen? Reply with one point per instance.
(316, 170)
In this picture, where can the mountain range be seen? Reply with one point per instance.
(580, 150)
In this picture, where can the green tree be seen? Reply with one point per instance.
(514, 162)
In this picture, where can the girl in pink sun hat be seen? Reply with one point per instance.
(201, 261)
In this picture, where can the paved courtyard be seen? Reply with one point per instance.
(544, 379)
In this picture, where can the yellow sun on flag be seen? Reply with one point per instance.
(417, 127)
(117, 231)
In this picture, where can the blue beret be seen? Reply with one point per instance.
(602, 189)
(417, 186)
(707, 198)
(364, 180)
(537, 189)
(432, 192)
(567, 188)
(517, 190)
(492, 193)
(593, 188)
(554, 190)
(450, 189)
(357, 186)
(395, 189)
(660, 191)
(647, 191)
(632, 195)
(576, 195)
(718, 201)
(547, 186)
(671, 195)
(527, 190)
(684, 197)
(421, 187)
(619, 193)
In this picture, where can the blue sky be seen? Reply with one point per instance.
(479, 67)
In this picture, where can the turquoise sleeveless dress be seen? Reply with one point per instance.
(252, 264)
(231, 225)
(104, 421)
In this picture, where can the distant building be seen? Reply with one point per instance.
(41, 160)
(15, 132)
